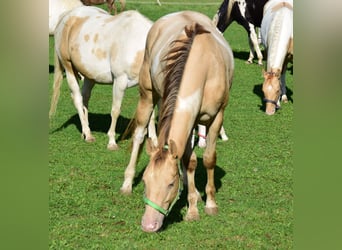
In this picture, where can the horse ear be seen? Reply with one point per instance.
(150, 146)
(264, 73)
(173, 149)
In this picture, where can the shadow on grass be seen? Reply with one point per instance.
(51, 68)
(97, 122)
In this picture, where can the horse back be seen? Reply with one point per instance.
(101, 46)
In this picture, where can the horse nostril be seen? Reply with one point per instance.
(151, 227)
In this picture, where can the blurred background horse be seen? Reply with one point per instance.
(277, 37)
(247, 13)
(110, 4)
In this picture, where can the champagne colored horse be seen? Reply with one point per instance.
(277, 37)
(189, 66)
(104, 49)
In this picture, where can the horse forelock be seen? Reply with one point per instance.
(175, 64)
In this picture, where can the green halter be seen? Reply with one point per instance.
(180, 189)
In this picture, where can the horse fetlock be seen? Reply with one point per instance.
(126, 188)
(112, 146)
(192, 214)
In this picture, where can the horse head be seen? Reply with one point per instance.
(271, 89)
(163, 184)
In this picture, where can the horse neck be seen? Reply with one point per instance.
(280, 37)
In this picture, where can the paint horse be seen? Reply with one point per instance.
(277, 37)
(247, 13)
(57, 8)
(188, 65)
(110, 4)
(82, 45)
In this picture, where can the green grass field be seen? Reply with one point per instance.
(254, 174)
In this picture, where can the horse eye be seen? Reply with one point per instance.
(171, 185)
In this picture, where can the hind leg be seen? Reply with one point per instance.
(119, 87)
(202, 136)
(223, 134)
(78, 102)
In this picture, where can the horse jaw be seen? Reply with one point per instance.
(152, 220)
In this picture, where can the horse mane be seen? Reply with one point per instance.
(175, 63)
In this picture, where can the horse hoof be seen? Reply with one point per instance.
(224, 138)
(249, 62)
(90, 139)
(125, 191)
(211, 210)
(112, 147)
(284, 99)
(192, 216)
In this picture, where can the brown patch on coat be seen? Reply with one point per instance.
(136, 66)
(96, 37)
(71, 29)
(99, 53)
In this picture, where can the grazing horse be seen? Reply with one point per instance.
(247, 13)
(277, 37)
(188, 66)
(57, 8)
(110, 4)
(104, 49)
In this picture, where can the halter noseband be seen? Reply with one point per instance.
(180, 189)
(272, 74)
(273, 102)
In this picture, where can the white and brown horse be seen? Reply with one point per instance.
(103, 48)
(110, 4)
(247, 13)
(188, 65)
(277, 37)
(57, 8)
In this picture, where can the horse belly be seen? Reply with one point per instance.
(91, 58)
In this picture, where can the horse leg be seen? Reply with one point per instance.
(152, 130)
(123, 5)
(119, 87)
(202, 136)
(223, 134)
(193, 194)
(142, 116)
(87, 87)
(209, 162)
(78, 102)
(283, 81)
(254, 46)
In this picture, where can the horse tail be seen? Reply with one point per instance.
(175, 64)
(57, 82)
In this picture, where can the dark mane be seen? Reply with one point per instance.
(175, 63)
